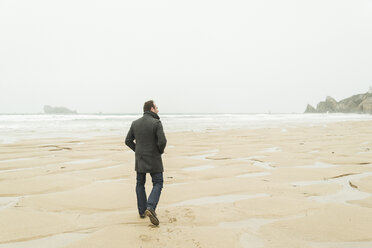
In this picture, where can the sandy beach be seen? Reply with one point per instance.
(305, 187)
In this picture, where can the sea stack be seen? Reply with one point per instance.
(58, 110)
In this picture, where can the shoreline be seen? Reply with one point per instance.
(283, 126)
(13, 129)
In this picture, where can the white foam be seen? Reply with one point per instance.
(256, 174)
(7, 202)
(15, 159)
(347, 193)
(254, 157)
(116, 180)
(78, 143)
(22, 169)
(205, 155)
(99, 168)
(271, 149)
(82, 161)
(307, 183)
(318, 165)
(314, 151)
(18, 127)
(199, 168)
(264, 165)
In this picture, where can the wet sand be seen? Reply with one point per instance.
(308, 187)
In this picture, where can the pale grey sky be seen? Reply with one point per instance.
(189, 56)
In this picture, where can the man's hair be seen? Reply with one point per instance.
(148, 105)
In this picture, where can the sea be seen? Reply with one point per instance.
(16, 127)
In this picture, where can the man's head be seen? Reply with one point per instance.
(150, 106)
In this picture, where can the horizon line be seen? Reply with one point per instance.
(137, 113)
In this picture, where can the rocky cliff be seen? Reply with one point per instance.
(361, 103)
(57, 110)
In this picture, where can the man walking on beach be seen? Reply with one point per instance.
(150, 143)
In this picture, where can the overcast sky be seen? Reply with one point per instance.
(189, 56)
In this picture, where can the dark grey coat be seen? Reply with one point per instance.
(150, 143)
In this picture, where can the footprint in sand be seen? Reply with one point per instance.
(185, 214)
(188, 213)
(145, 238)
(171, 219)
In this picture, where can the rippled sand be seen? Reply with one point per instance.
(308, 187)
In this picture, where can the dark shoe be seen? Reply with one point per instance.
(152, 215)
(142, 216)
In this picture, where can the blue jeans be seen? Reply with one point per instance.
(157, 184)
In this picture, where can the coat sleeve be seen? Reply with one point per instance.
(161, 139)
(129, 140)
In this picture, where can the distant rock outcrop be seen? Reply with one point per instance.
(310, 109)
(361, 103)
(58, 110)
